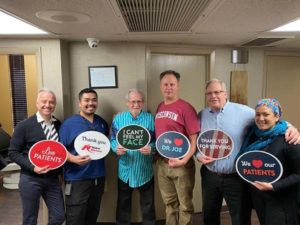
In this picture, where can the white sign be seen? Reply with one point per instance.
(92, 143)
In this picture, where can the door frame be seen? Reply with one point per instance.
(209, 54)
(288, 53)
(30, 51)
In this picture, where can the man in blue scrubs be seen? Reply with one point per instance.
(84, 177)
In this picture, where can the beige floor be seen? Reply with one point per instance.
(11, 211)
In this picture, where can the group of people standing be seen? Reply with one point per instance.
(84, 178)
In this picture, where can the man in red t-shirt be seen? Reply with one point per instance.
(176, 177)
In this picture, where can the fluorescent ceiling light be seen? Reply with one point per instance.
(12, 25)
(290, 27)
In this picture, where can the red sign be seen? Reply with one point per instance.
(215, 143)
(48, 153)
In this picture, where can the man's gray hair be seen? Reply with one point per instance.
(46, 90)
(215, 80)
(133, 90)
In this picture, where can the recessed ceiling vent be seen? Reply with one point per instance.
(161, 15)
(265, 41)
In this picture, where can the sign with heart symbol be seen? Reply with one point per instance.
(172, 144)
(259, 166)
(257, 163)
(48, 153)
(215, 143)
(178, 142)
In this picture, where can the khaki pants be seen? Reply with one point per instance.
(176, 187)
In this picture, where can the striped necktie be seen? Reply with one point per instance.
(50, 131)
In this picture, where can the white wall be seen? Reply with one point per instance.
(66, 81)
(130, 62)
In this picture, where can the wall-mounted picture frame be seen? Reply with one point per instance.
(239, 87)
(103, 77)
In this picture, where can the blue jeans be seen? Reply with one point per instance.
(32, 188)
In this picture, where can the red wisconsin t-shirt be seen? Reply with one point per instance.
(179, 116)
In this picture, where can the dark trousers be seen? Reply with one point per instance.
(83, 201)
(275, 208)
(146, 202)
(32, 189)
(298, 202)
(235, 192)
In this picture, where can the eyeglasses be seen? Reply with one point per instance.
(216, 93)
(135, 102)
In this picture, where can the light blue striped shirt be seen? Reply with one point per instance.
(135, 168)
(234, 119)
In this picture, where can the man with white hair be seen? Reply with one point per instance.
(37, 182)
(135, 167)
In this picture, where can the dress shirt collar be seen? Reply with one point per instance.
(40, 119)
(221, 110)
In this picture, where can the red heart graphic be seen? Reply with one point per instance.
(178, 141)
(257, 163)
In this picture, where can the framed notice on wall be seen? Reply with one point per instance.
(103, 77)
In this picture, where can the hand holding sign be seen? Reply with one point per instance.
(263, 186)
(205, 159)
(121, 150)
(176, 162)
(146, 150)
(79, 160)
(41, 170)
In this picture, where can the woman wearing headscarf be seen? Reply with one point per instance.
(274, 203)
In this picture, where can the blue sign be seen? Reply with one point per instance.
(172, 144)
(259, 166)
